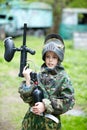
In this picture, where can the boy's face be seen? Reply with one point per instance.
(51, 59)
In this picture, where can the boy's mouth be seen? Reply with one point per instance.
(50, 65)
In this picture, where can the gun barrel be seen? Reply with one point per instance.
(24, 35)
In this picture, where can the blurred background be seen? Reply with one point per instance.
(65, 17)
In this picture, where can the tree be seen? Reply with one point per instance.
(58, 6)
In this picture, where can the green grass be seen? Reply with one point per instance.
(74, 123)
(75, 63)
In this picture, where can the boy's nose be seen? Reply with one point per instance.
(50, 59)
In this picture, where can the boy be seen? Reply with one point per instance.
(55, 84)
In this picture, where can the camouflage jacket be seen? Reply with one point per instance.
(57, 88)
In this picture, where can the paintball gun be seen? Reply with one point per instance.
(10, 50)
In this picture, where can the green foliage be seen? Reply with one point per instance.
(68, 3)
(78, 4)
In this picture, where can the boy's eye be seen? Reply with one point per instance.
(55, 57)
(47, 56)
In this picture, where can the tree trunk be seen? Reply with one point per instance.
(57, 14)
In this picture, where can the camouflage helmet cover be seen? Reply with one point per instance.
(54, 43)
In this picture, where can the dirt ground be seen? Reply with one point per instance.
(6, 125)
(5, 121)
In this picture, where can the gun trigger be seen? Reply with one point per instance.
(27, 66)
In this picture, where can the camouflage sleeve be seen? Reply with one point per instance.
(63, 99)
(25, 92)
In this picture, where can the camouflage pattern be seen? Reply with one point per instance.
(35, 122)
(58, 98)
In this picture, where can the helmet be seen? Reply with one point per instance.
(54, 43)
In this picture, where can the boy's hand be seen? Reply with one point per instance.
(26, 73)
(38, 108)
